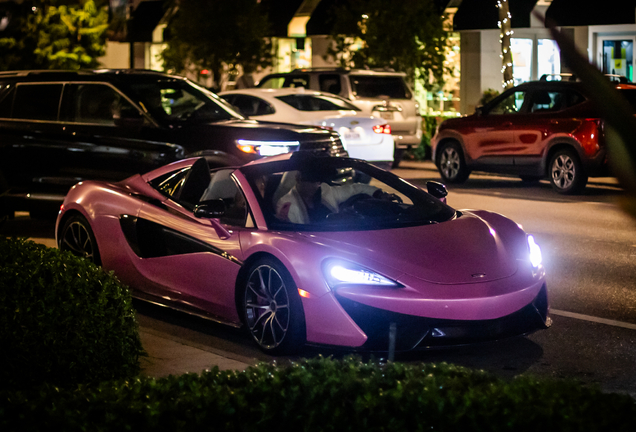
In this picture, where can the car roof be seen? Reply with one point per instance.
(110, 75)
(276, 92)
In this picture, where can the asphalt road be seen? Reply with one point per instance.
(589, 250)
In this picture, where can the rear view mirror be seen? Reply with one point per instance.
(437, 189)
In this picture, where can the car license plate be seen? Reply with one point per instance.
(352, 136)
(386, 115)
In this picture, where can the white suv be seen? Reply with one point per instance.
(382, 94)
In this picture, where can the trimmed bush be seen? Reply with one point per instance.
(63, 320)
(323, 395)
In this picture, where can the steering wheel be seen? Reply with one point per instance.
(349, 203)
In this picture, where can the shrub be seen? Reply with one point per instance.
(323, 395)
(62, 319)
(423, 151)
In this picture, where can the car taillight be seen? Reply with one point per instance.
(382, 129)
(589, 134)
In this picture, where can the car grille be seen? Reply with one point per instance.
(332, 145)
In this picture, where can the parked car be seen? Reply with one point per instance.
(535, 130)
(383, 94)
(58, 128)
(234, 245)
(364, 137)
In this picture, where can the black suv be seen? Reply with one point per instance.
(58, 128)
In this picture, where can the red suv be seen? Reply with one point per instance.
(534, 130)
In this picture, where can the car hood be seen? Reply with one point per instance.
(464, 250)
(262, 130)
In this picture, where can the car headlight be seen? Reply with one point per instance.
(338, 272)
(267, 148)
(534, 252)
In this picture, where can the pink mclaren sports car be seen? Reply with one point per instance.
(303, 249)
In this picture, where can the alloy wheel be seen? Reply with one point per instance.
(563, 171)
(78, 240)
(450, 163)
(267, 307)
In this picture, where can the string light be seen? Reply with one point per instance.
(506, 68)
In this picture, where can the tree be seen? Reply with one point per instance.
(504, 38)
(407, 36)
(70, 36)
(218, 36)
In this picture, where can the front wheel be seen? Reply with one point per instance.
(566, 172)
(451, 164)
(78, 238)
(272, 309)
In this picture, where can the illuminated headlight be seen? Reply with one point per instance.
(347, 273)
(267, 148)
(535, 252)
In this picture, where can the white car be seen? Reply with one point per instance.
(364, 137)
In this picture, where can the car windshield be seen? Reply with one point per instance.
(317, 103)
(180, 101)
(376, 86)
(312, 193)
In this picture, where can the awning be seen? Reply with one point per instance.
(484, 15)
(592, 12)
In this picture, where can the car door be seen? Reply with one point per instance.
(100, 149)
(188, 258)
(489, 137)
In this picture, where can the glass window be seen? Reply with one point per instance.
(95, 103)
(521, 59)
(549, 57)
(509, 104)
(329, 83)
(170, 184)
(339, 194)
(317, 103)
(618, 58)
(273, 82)
(6, 100)
(222, 186)
(37, 101)
(376, 86)
(543, 101)
(296, 81)
(250, 105)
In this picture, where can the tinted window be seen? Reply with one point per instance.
(222, 186)
(37, 101)
(376, 86)
(273, 82)
(94, 103)
(170, 184)
(509, 104)
(551, 101)
(329, 83)
(250, 105)
(6, 100)
(317, 103)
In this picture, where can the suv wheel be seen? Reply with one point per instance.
(566, 172)
(397, 157)
(450, 163)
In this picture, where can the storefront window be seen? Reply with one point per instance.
(618, 58)
(521, 59)
(549, 58)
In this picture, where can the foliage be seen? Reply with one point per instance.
(407, 36)
(429, 126)
(322, 395)
(70, 36)
(62, 319)
(487, 96)
(218, 36)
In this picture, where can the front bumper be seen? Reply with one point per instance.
(420, 332)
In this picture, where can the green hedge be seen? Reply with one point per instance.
(423, 151)
(62, 319)
(323, 395)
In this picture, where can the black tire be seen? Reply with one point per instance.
(451, 164)
(272, 308)
(566, 172)
(398, 154)
(78, 238)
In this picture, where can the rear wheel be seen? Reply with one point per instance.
(451, 164)
(78, 238)
(566, 172)
(272, 308)
(398, 154)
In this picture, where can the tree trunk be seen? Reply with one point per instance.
(506, 34)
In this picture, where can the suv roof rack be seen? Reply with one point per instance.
(44, 72)
(320, 69)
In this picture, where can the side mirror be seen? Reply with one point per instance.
(211, 209)
(128, 117)
(438, 190)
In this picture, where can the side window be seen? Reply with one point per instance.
(170, 184)
(252, 106)
(330, 83)
(273, 82)
(297, 81)
(223, 187)
(574, 98)
(37, 101)
(6, 100)
(95, 104)
(510, 104)
(544, 101)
